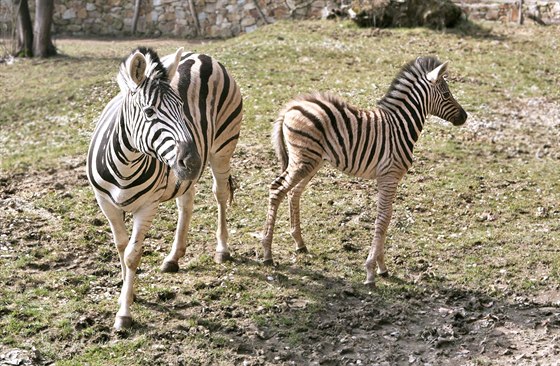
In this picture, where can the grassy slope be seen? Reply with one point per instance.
(471, 214)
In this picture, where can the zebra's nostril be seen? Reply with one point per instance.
(187, 161)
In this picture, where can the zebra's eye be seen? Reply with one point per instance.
(446, 95)
(150, 112)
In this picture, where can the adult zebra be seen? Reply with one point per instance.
(368, 144)
(151, 144)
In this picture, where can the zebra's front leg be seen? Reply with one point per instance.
(185, 207)
(222, 187)
(387, 190)
(132, 256)
(116, 221)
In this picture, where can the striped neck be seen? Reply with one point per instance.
(122, 142)
(410, 94)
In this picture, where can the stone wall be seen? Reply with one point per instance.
(180, 18)
(227, 18)
(508, 10)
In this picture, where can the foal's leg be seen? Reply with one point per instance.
(185, 207)
(223, 191)
(387, 189)
(118, 228)
(278, 190)
(294, 199)
(142, 220)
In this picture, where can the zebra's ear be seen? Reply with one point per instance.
(437, 73)
(137, 68)
(172, 69)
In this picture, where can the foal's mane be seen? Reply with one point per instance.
(411, 73)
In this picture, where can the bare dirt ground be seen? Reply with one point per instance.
(432, 325)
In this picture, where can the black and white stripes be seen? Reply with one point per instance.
(370, 144)
(172, 117)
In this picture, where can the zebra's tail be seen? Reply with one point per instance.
(278, 141)
(232, 185)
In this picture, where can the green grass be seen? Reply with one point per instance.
(475, 213)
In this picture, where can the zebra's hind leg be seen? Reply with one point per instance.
(279, 188)
(185, 206)
(132, 255)
(294, 198)
(223, 192)
(387, 190)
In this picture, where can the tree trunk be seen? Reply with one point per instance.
(24, 30)
(42, 43)
(137, 6)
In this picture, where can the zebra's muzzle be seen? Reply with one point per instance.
(187, 161)
(460, 118)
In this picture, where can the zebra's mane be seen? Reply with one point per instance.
(154, 68)
(410, 74)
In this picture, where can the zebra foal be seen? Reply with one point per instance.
(151, 144)
(376, 144)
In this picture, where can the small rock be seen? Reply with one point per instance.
(97, 222)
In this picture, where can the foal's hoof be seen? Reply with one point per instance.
(122, 322)
(268, 262)
(302, 250)
(383, 274)
(222, 257)
(370, 284)
(170, 267)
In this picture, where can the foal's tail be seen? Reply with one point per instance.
(278, 140)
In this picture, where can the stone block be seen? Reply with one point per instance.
(235, 29)
(248, 21)
(202, 16)
(249, 6)
(166, 28)
(281, 13)
(69, 14)
(82, 13)
(250, 29)
(214, 31)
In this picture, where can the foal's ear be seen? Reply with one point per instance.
(172, 69)
(437, 73)
(137, 68)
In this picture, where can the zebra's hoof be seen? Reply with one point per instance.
(383, 274)
(122, 322)
(170, 267)
(302, 250)
(370, 284)
(268, 262)
(222, 257)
